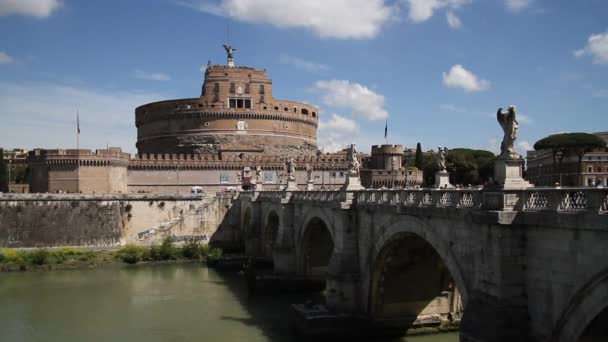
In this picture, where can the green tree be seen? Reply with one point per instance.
(3, 173)
(570, 143)
(467, 166)
(419, 159)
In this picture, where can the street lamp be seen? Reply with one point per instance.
(560, 156)
(10, 166)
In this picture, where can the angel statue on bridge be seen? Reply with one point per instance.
(353, 161)
(442, 154)
(509, 124)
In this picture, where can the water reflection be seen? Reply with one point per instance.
(147, 304)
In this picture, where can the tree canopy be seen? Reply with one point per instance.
(466, 166)
(570, 141)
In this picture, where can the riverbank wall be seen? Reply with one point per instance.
(52, 220)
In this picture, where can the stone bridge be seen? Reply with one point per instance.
(514, 265)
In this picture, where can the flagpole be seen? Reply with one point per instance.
(77, 130)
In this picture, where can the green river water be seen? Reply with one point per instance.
(144, 304)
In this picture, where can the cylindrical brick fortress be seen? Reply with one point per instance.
(236, 113)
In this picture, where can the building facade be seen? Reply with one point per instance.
(384, 168)
(546, 169)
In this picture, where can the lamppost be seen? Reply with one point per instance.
(10, 166)
(560, 156)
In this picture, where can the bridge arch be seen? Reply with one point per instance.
(248, 226)
(586, 316)
(270, 230)
(316, 244)
(413, 273)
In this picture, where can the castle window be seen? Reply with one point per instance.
(304, 111)
(295, 110)
(286, 109)
(206, 124)
(276, 108)
(262, 99)
(314, 115)
(216, 87)
(239, 103)
(232, 88)
(247, 88)
(590, 169)
(224, 178)
(261, 89)
(264, 107)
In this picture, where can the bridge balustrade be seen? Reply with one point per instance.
(560, 200)
(565, 200)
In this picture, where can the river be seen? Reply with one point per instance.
(144, 304)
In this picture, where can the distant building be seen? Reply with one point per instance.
(16, 156)
(543, 169)
(384, 169)
(215, 142)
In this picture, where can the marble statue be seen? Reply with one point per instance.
(442, 153)
(258, 174)
(353, 161)
(291, 169)
(509, 124)
(308, 173)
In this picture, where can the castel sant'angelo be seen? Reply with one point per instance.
(235, 135)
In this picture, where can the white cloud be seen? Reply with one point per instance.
(452, 108)
(453, 20)
(342, 19)
(5, 58)
(336, 133)
(597, 47)
(423, 10)
(523, 118)
(303, 64)
(361, 100)
(150, 76)
(339, 123)
(517, 5)
(459, 77)
(34, 8)
(105, 116)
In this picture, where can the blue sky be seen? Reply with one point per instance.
(437, 70)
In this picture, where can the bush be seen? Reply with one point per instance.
(214, 254)
(131, 254)
(167, 250)
(38, 257)
(191, 250)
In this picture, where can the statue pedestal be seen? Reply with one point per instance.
(508, 174)
(442, 179)
(310, 185)
(291, 185)
(353, 182)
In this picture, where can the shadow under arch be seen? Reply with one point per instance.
(317, 248)
(269, 233)
(586, 316)
(414, 278)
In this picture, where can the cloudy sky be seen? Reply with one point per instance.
(436, 70)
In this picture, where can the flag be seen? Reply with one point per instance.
(386, 129)
(77, 122)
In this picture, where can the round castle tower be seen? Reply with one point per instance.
(235, 114)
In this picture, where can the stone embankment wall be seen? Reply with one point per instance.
(51, 220)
